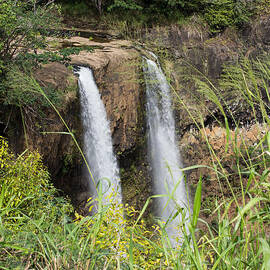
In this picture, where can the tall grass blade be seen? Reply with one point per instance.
(228, 133)
(197, 203)
(248, 207)
(130, 251)
(265, 249)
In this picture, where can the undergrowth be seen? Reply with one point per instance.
(127, 16)
(239, 101)
(38, 231)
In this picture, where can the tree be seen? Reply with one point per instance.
(125, 4)
(24, 25)
(98, 5)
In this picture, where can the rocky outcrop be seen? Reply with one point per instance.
(257, 34)
(117, 70)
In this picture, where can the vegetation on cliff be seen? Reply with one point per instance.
(24, 30)
(218, 14)
(24, 26)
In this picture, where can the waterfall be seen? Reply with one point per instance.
(98, 147)
(163, 150)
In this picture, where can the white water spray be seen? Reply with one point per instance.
(97, 137)
(163, 151)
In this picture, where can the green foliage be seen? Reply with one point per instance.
(219, 14)
(21, 89)
(159, 6)
(109, 234)
(246, 82)
(125, 4)
(75, 8)
(240, 167)
(36, 230)
(24, 25)
(61, 55)
(224, 13)
(29, 210)
(24, 182)
(44, 237)
(197, 204)
(262, 7)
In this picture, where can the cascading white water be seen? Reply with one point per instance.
(163, 150)
(97, 137)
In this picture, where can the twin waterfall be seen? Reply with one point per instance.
(98, 147)
(163, 151)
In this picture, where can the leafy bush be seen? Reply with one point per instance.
(219, 14)
(223, 13)
(125, 4)
(61, 56)
(75, 8)
(20, 89)
(24, 25)
(110, 233)
(29, 210)
(24, 182)
(262, 7)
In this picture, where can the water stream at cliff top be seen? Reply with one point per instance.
(98, 147)
(163, 151)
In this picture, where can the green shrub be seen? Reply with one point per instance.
(224, 13)
(29, 211)
(61, 56)
(24, 182)
(75, 8)
(111, 232)
(24, 25)
(20, 89)
(125, 4)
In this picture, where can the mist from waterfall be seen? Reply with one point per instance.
(163, 150)
(98, 147)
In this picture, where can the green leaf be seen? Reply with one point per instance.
(247, 207)
(268, 140)
(265, 250)
(197, 203)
